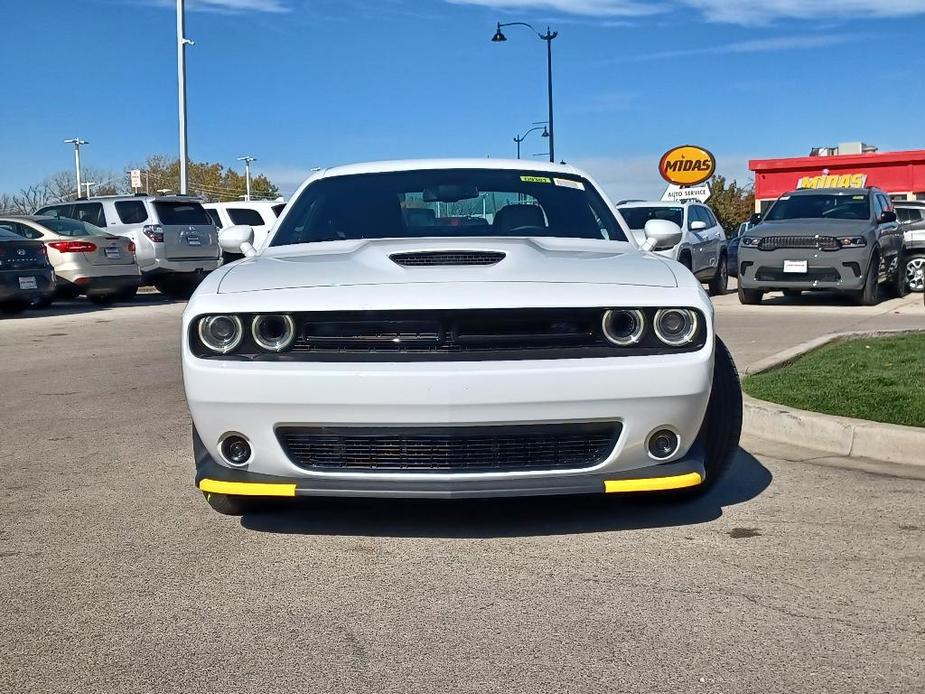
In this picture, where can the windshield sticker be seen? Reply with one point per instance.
(569, 183)
(858, 197)
(785, 197)
(535, 179)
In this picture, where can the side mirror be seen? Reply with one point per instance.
(237, 239)
(888, 217)
(698, 226)
(661, 235)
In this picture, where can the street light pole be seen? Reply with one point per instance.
(520, 138)
(182, 43)
(548, 38)
(77, 142)
(247, 159)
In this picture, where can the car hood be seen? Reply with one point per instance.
(811, 227)
(369, 262)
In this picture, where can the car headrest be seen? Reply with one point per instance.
(512, 217)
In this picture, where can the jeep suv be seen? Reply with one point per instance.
(838, 239)
(176, 243)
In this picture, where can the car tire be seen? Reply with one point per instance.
(101, 299)
(14, 306)
(719, 283)
(870, 294)
(722, 424)
(229, 505)
(750, 296)
(793, 293)
(127, 294)
(914, 271)
(897, 287)
(44, 302)
(176, 287)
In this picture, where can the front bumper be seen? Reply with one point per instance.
(642, 393)
(841, 270)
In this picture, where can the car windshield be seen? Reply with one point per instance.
(821, 206)
(636, 217)
(447, 203)
(70, 227)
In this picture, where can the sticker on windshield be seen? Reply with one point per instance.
(535, 179)
(857, 197)
(569, 183)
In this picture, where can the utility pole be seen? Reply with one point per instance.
(182, 43)
(247, 159)
(77, 142)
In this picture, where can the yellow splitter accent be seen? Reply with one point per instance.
(653, 484)
(247, 488)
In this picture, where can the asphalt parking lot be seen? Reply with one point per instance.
(793, 574)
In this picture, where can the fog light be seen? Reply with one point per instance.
(236, 450)
(663, 444)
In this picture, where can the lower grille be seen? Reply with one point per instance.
(450, 449)
(822, 243)
(813, 274)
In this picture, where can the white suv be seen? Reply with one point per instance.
(176, 243)
(703, 242)
(259, 215)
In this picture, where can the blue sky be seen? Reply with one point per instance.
(304, 83)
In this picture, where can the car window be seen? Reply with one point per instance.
(57, 211)
(708, 216)
(216, 220)
(821, 206)
(10, 228)
(447, 203)
(181, 212)
(27, 231)
(70, 227)
(132, 211)
(91, 212)
(695, 214)
(909, 215)
(278, 209)
(245, 215)
(636, 217)
(7, 235)
(884, 201)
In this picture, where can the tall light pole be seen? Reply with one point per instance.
(77, 142)
(547, 37)
(520, 138)
(247, 159)
(182, 43)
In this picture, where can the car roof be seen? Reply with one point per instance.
(119, 198)
(909, 203)
(27, 217)
(237, 203)
(659, 203)
(437, 164)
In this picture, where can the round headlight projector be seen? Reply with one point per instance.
(273, 333)
(624, 327)
(221, 334)
(675, 326)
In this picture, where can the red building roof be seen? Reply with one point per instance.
(895, 172)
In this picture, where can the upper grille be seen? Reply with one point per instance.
(822, 243)
(435, 258)
(450, 449)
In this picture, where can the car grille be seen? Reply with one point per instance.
(451, 449)
(821, 243)
(437, 258)
(813, 274)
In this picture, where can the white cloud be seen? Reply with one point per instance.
(729, 11)
(597, 8)
(774, 43)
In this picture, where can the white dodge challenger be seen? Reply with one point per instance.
(454, 328)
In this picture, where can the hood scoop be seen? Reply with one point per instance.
(443, 258)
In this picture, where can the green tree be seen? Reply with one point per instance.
(212, 181)
(732, 203)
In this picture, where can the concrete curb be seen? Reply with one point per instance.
(841, 436)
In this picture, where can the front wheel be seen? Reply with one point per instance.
(897, 287)
(229, 505)
(870, 294)
(720, 281)
(722, 424)
(750, 296)
(915, 273)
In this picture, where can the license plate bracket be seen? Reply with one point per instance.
(112, 253)
(28, 283)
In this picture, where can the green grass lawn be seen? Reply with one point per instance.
(879, 378)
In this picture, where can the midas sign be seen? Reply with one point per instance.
(687, 165)
(856, 180)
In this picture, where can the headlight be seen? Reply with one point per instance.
(750, 241)
(623, 327)
(221, 334)
(853, 242)
(676, 327)
(273, 333)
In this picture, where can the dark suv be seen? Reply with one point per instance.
(836, 239)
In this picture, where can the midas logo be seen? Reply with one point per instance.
(840, 181)
(687, 165)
